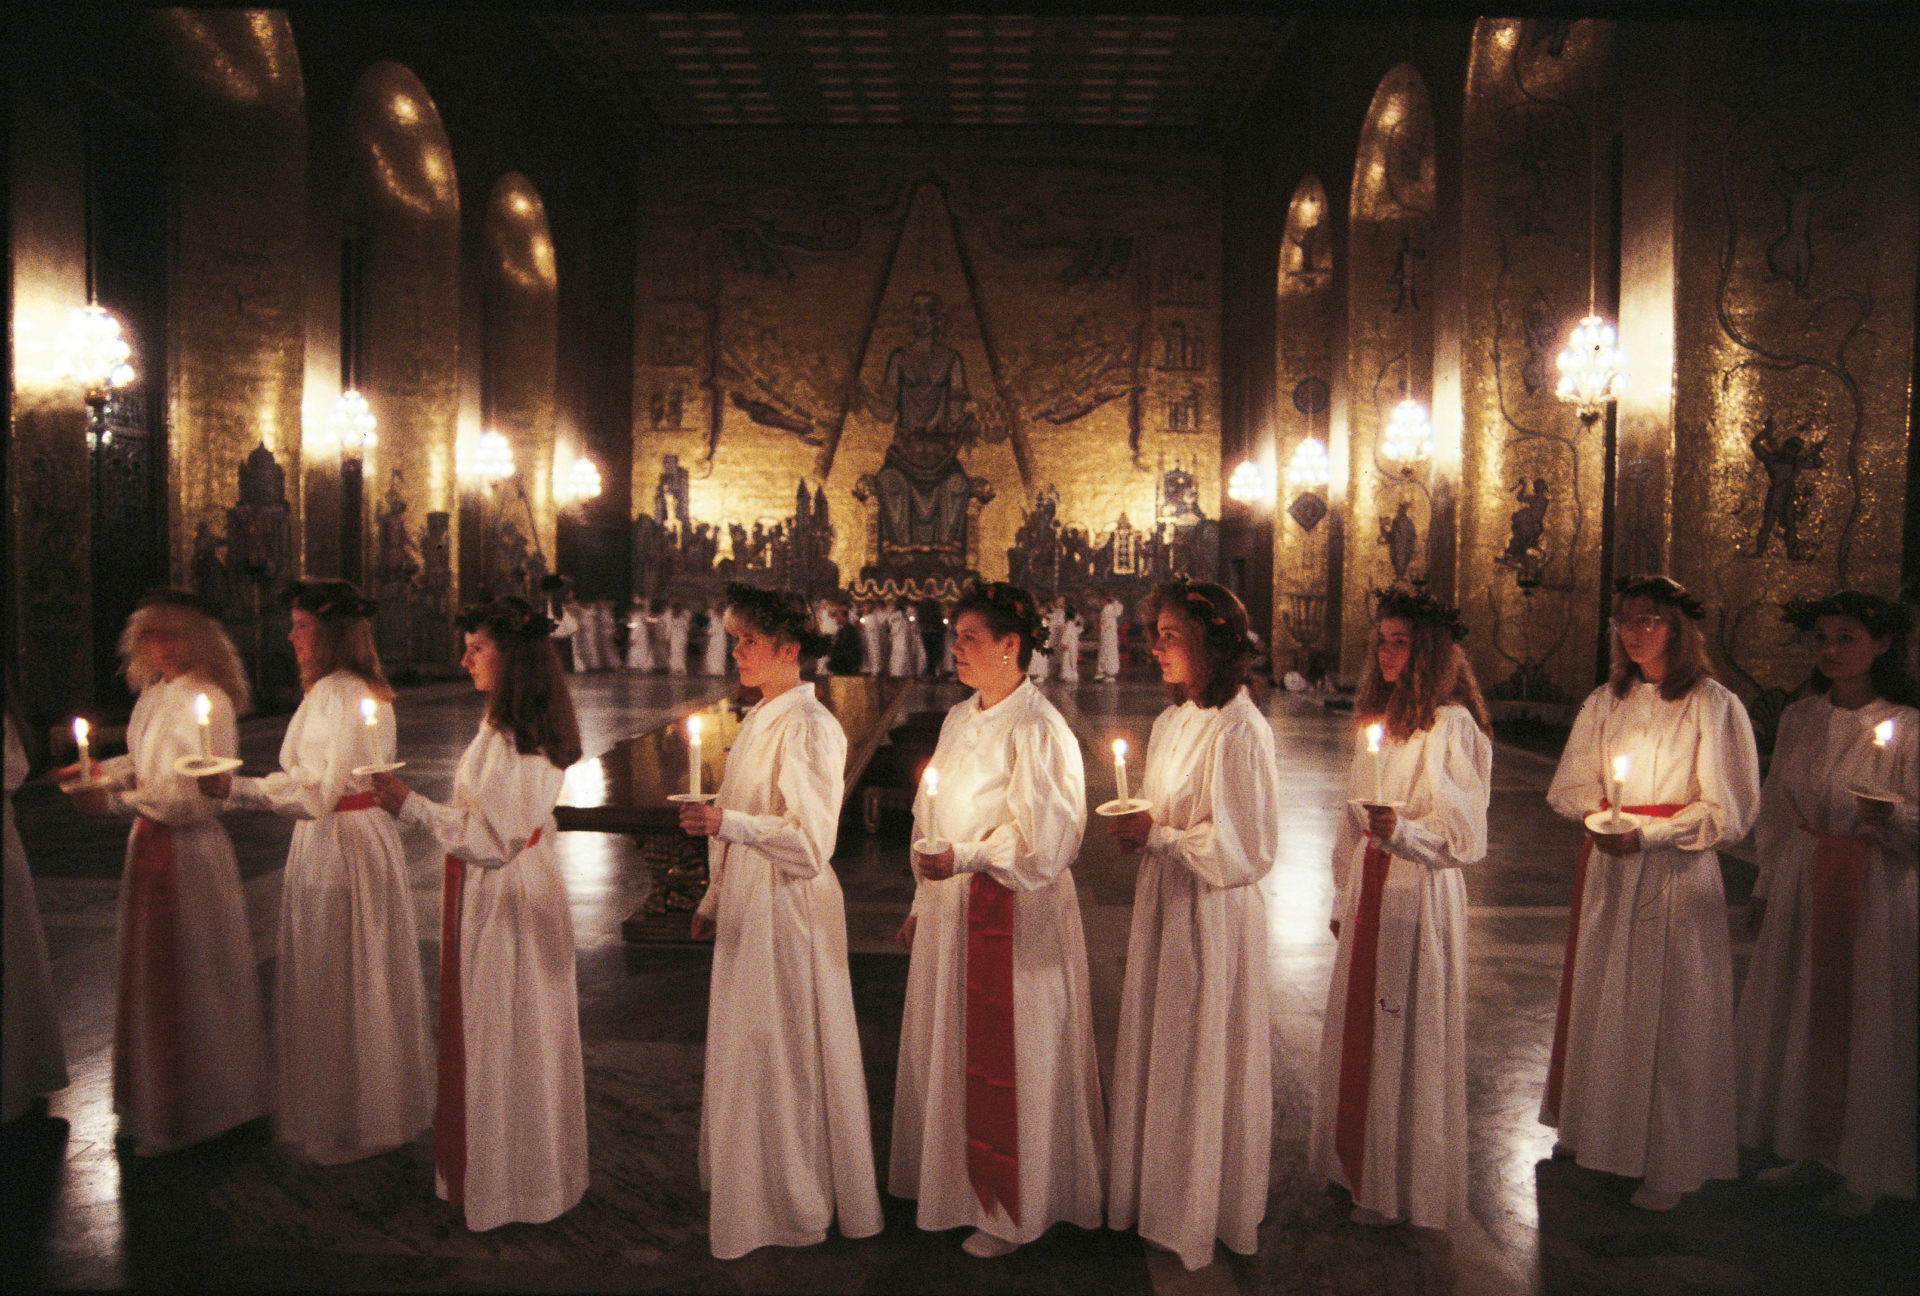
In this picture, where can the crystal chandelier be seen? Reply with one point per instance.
(93, 356)
(491, 461)
(1408, 438)
(1592, 366)
(1248, 485)
(579, 483)
(353, 423)
(1309, 469)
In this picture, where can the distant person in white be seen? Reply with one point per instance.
(1107, 664)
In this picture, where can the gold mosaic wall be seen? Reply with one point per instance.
(1390, 306)
(1304, 313)
(522, 341)
(1799, 203)
(1535, 164)
(1080, 291)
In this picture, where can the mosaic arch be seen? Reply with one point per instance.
(518, 374)
(1536, 233)
(1304, 316)
(1390, 301)
(400, 335)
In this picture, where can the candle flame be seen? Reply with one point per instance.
(1119, 748)
(933, 781)
(1883, 734)
(202, 707)
(1622, 766)
(80, 730)
(693, 728)
(1375, 732)
(369, 711)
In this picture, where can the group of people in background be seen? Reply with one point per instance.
(999, 1120)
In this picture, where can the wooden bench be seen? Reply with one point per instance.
(625, 790)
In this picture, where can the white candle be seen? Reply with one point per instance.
(693, 755)
(1883, 733)
(1622, 766)
(1375, 733)
(203, 712)
(931, 782)
(1120, 767)
(370, 712)
(80, 730)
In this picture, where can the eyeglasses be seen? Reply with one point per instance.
(1637, 625)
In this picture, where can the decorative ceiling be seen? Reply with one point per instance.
(692, 70)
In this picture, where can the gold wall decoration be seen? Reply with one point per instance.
(1304, 312)
(1389, 347)
(519, 372)
(1534, 475)
(1795, 327)
(1079, 291)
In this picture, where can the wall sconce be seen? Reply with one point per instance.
(93, 356)
(1249, 484)
(353, 424)
(576, 483)
(1591, 369)
(490, 462)
(1308, 473)
(1408, 438)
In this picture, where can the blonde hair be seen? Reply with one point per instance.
(211, 655)
(1687, 661)
(346, 643)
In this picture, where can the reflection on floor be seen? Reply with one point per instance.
(240, 1214)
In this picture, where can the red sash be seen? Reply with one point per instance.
(993, 1112)
(1839, 868)
(450, 1102)
(356, 801)
(1356, 1030)
(150, 977)
(1556, 1065)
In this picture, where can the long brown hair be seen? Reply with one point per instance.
(531, 702)
(346, 634)
(1437, 673)
(1226, 653)
(1687, 661)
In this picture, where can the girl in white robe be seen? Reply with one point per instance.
(1011, 804)
(32, 1058)
(351, 1063)
(639, 639)
(1107, 664)
(189, 1057)
(1192, 1084)
(785, 1145)
(873, 654)
(679, 623)
(1640, 1080)
(1826, 1025)
(715, 661)
(1390, 1107)
(899, 643)
(510, 1123)
(1069, 642)
(586, 635)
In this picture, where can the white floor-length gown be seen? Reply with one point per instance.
(1107, 665)
(517, 1142)
(1390, 1107)
(1012, 800)
(586, 637)
(679, 624)
(899, 645)
(714, 659)
(873, 653)
(785, 1145)
(1827, 1046)
(190, 1052)
(639, 642)
(1192, 1084)
(354, 1075)
(35, 1062)
(1069, 648)
(1642, 1078)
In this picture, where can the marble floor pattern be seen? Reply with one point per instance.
(240, 1214)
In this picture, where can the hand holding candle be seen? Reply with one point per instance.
(203, 715)
(80, 731)
(1622, 766)
(1876, 804)
(370, 712)
(1376, 732)
(1883, 734)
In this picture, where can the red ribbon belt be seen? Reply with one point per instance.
(993, 1110)
(450, 1101)
(357, 801)
(150, 976)
(1839, 869)
(1556, 1066)
(1356, 1030)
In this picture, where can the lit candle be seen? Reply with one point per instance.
(80, 730)
(370, 712)
(1375, 733)
(203, 712)
(693, 755)
(932, 784)
(1622, 766)
(1882, 733)
(1120, 767)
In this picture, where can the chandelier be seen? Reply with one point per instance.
(1592, 366)
(353, 423)
(1310, 468)
(491, 461)
(579, 483)
(1408, 438)
(1249, 484)
(93, 356)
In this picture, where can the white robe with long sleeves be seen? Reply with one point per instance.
(1414, 1165)
(1012, 800)
(1822, 752)
(1069, 642)
(607, 649)
(35, 1062)
(785, 1144)
(1648, 1083)
(354, 1074)
(639, 642)
(586, 637)
(899, 645)
(679, 624)
(1107, 666)
(217, 1042)
(872, 648)
(714, 661)
(1192, 1086)
(526, 1098)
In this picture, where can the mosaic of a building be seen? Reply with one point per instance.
(965, 366)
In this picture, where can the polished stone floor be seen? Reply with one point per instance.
(238, 1213)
